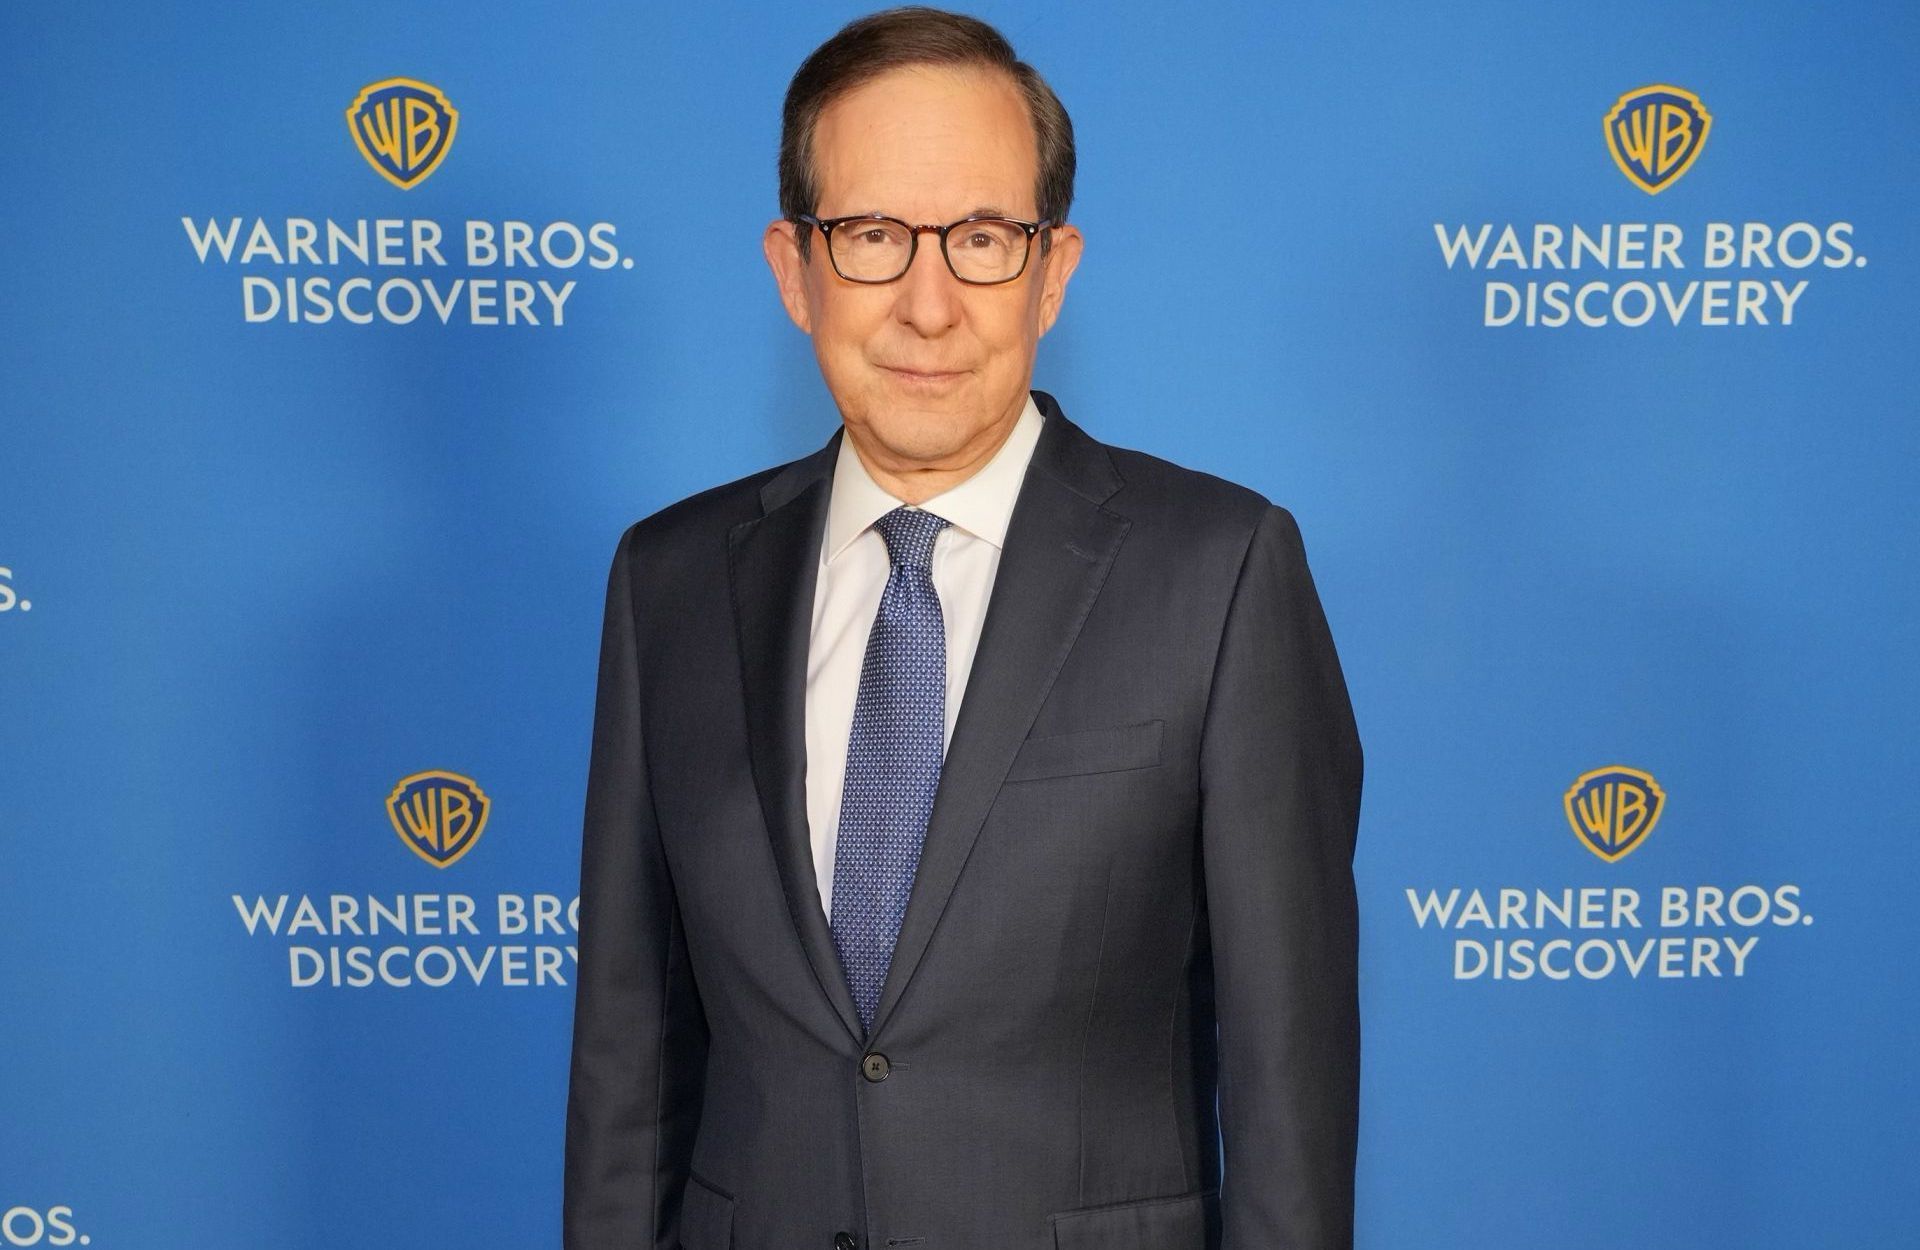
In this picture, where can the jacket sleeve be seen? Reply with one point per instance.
(1280, 803)
(639, 1032)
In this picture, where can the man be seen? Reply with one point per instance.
(951, 784)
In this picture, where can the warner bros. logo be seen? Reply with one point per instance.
(1613, 809)
(439, 815)
(403, 127)
(1655, 134)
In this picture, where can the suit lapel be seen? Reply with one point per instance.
(773, 563)
(1060, 543)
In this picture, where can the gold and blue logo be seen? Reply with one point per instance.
(1655, 134)
(403, 127)
(1613, 809)
(439, 815)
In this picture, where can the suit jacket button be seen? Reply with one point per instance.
(845, 1241)
(875, 1067)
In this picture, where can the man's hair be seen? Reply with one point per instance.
(870, 46)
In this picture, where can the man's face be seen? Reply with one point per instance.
(929, 373)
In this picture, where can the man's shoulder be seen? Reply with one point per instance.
(1192, 503)
(699, 520)
(1185, 506)
(1197, 530)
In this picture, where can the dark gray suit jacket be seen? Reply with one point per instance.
(1145, 826)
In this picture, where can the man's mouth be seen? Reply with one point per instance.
(929, 375)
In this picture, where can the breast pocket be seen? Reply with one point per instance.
(1088, 751)
(1182, 1222)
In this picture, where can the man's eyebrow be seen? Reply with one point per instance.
(984, 210)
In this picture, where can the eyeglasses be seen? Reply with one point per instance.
(869, 247)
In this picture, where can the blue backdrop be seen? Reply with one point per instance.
(256, 571)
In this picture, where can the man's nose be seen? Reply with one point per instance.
(928, 296)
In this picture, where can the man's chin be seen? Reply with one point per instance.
(920, 437)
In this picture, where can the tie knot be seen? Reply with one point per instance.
(910, 534)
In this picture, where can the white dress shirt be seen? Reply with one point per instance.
(853, 571)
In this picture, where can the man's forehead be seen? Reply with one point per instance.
(952, 141)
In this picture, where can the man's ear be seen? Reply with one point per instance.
(1062, 257)
(782, 246)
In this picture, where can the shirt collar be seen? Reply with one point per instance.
(982, 505)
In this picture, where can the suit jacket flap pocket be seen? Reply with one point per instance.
(706, 1217)
(1088, 751)
(1176, 1223)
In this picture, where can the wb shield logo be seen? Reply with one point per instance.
(438, 815)
(403, 127)
(1655, 134)
(1613, 809)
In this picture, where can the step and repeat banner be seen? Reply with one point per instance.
(339, 343)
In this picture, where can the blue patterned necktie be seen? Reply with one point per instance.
(893, 759)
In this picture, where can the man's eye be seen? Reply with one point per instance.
(874, 236)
